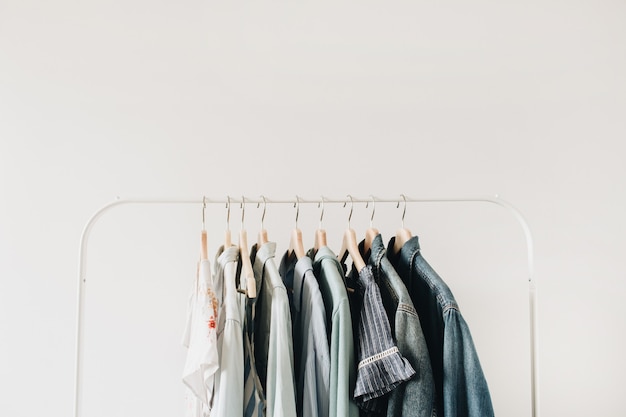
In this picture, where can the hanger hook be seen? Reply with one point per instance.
(203, 209)
(243, 210)
(373, 209)
(404, 209)
(297, 207)
(321, 204)
(227, 212)
(351, 208)
(264, 209)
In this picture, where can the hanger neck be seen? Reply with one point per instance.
(349, 246)
(227, 239)
(320, 239)
(370, 235)
(262, 238)
(295, 244)
(204, 253)
(246, 265)
(402, 236)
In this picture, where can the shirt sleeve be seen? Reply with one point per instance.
(465, 391)
(281, 396)
(381, 367)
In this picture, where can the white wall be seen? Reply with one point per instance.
(142, 99)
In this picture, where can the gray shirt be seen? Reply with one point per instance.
(311, 352)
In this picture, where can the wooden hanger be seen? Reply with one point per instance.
(227, 240)
(262, 233)
(247, 272)
(295, 243)
(320, 239)
(403, 234)
(349, 245)
(203, 237)
(371, 233)
(320, 233)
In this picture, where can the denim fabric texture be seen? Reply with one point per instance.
(461, 387)
(416, 397)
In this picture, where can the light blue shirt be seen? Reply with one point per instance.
(273, 335)
(310, 341)
(329, 274)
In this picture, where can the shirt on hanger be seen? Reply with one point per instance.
(416, 397)
(200, 338)
(229, 380)
(273, 334)
(329, 274)
(254, 404)
(310, 342)
(381, 368)
(461, 387)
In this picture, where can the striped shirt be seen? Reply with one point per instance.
(381, 367)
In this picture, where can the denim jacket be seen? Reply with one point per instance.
(416, 397)
(461, 387)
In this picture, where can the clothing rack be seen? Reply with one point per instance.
(532, 281)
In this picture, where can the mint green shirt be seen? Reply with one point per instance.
(329, 274)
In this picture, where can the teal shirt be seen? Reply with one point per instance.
(329, 274)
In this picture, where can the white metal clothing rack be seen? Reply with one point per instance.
(532, 282)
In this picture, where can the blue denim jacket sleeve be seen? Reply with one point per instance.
(465, 391)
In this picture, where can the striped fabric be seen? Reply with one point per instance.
(381, 367)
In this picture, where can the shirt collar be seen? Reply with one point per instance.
(376, 254)
(258, 256)
(377, 250)
(408, 250)
(303, 265)
(285, 270)
(227, 255)
(324, 253)
(265, 252)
